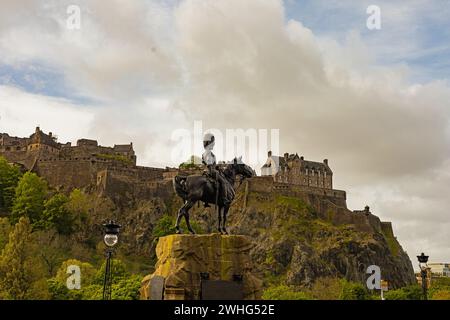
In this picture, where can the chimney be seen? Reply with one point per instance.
(286, 156)
(38, 129)
(50, 134)
(325, 161)
(302, 158)
(269, 154)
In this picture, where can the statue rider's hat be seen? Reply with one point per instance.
(208, 140)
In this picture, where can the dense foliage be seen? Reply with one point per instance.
(43, 232)
(9, 177)
(166, 225)
(322, 289)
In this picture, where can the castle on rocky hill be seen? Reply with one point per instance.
(65, 167)
(113, 171)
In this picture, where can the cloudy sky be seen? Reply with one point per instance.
(374, 102)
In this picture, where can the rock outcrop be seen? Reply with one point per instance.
(301, 237)
(182, 258)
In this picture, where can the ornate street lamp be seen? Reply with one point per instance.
(423, 259)
(110, 239)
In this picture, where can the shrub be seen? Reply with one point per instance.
(283, 292)
(353, 291)
(413, 292)
(30, 195)
(166, 225)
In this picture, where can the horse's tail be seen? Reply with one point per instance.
(179, 184)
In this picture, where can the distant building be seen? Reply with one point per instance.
(86, 164)
(294, 169)
(439, 269)
(42, 146)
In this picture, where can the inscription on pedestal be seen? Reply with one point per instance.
(221, 290)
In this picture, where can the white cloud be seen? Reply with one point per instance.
(242, 64)
(21, 112)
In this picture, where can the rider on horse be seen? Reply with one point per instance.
(209, 160)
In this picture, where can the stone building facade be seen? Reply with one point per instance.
(87, 164)
(42, 146)
(294, 169)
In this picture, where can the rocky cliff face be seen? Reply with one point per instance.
(302, 237)
(299, 237)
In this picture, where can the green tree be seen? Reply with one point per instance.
(58, 290)
(88, 273)
(353, 291)
(413, 292)
(58, 285)
(127, 288)
(326, 288)
(5, 228)
(79, 206)
(163, 227)
(283, 292)
(92, 292)
(118, 271)
(166, 225)
(9, 177)
(56, 215)
(30, 195)
(21, 272)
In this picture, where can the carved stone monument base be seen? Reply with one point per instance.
(193, 267)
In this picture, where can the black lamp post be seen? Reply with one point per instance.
(423, 259)
(110, 239)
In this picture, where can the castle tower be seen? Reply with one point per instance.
(294, 169)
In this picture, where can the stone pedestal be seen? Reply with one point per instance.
(183, 260)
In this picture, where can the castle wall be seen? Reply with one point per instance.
(14, 156)
(329, 203)
(296, 175)
(266, 184)
(67, 174)
(142, 183)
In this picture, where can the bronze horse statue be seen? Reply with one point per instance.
(204, 188)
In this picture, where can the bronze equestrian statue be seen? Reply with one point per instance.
(216, 186)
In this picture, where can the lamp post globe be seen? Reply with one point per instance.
(110, 238)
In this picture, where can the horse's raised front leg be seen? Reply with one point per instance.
(187, 207)
(219, 217)
(180, 214)
(225, 212)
